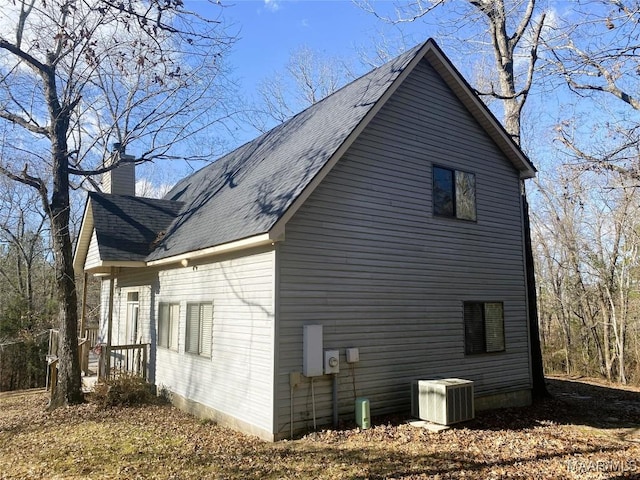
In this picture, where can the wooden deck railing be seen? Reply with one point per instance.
(91, 334)
(132, 359)
(52, 356)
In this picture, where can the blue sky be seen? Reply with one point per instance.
(271, 29)
(268, 32)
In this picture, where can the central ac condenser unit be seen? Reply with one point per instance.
(445, 401)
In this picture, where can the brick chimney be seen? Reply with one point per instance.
(122, 179)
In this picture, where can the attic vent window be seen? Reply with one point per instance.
(454, 193)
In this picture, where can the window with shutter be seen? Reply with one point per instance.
(483, 327)
(199, 328)
(169, 314)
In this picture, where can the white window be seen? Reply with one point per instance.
(168, 325)
(199, 328)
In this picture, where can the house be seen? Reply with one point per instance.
(388, 213)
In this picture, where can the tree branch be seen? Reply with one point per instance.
(29, 59)
(524, 23)
(29, 180)
(18, 120)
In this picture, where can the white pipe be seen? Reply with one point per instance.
(335, 400)
(291, 411)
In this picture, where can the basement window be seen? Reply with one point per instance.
(483, 327)
(454, 193)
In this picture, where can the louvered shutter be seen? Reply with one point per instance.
(193, 328)
(494, 326)
(206, 328)
(163, 325)
(173, 329)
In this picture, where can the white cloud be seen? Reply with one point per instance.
(147, 188)
(272, 5)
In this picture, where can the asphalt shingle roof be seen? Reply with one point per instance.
(128, 227)
(245, 192)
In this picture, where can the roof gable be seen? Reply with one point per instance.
(253, 191)
(126, 228)
(247, 191)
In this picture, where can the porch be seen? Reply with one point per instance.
(99, 361)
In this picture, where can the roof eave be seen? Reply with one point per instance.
(431, 51)
(105, 266)
(185, 258)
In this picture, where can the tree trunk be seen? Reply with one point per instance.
(69, 388)
(606, 337)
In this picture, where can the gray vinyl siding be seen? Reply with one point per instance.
(238, 378)
(366, 258)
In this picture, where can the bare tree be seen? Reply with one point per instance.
(23, 229)
(511, 31)
(308, 77)
(76, 75)
(599, 60)
(586, 232)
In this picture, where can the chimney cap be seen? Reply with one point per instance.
(117, 147)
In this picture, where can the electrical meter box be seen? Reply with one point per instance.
(331, 361)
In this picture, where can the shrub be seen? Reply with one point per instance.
(125, 390)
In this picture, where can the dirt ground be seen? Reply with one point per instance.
(588, 430)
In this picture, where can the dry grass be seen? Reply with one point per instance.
(559, 438)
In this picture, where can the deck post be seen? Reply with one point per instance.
(107, 359)
(144, 363)
(83, 315)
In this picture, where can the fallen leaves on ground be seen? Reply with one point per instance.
(585, 431)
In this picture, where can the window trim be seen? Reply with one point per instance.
(468, 343)
(453, 194)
